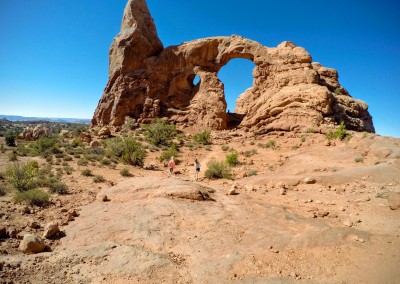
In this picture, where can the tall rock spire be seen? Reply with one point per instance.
(136, 41)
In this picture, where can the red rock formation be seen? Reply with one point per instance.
(289, 91)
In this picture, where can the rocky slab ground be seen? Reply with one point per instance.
(311, 215)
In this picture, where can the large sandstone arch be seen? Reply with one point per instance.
(289, 91)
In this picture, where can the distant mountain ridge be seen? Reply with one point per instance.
(51, 119)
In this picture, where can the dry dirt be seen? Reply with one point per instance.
(277, 228)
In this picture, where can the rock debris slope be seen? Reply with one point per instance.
(289, 92)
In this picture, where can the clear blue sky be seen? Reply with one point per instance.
(54, 54)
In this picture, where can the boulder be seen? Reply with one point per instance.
(104, 132)
(30, 134)
(85, 137)
(31, 244)
(50, 230)
(289, 92)
(394, 200)
(65, 133)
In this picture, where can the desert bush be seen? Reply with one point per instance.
(82, 162)
(249, 153)
(224, 148)
(359, 159)
(170, 152)
(125, 172)
(46, 146)
(67, 158)
(252, 172)
(32, 197)
(311, 130)
(127, 149)
(12, 157)
(22, 150)
(303, 138)
(98, 178)
(68, 170)
(10, 138)
(105, 162)
(58, 187)
(2, 149)
(339, 133)
(160, 132)
(22, 176)
(232, 159)
(76, 143)
(3, 189)
(86, 172)
(203, 138)
(217, 169)
(270, 144)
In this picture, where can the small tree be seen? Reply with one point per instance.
(10, 138)
(133, 152)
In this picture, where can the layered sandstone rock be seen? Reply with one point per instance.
(289, 92)
(30, 133)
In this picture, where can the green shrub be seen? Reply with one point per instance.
(86, 172)
(67, 158)
(218, 170)
(339, 133)
(10, 138)
(160, 132)
(224, 148)
(46, 146)
(82, 162)
(170, 152)
(105, 162)
(22, 150)
(3, 189)
(22, 177)
(68, 170)
(133, 152)
(252, 172)
(232, 159)
(359, 159)
(58, 187)
(32, 197)
(2, 149)
(303, 138)
(203, 137)
(271, 144)
(249, 153)
(311, 130)
(98, 178)
(125, 172)
(12, 156)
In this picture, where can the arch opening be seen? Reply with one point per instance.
(237, 77)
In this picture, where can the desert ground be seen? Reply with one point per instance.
(299, 209)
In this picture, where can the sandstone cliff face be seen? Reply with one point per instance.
(289, 91)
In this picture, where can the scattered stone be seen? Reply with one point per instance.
(102, 197)
(321, 213)
(33, 224)
(3, 232)
(394, 200)
(309, 180)
(31, 244)
(50, 230)
(12, 232)
(348, 223)
(94, 144)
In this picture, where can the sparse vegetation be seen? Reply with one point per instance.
(359, 159)
(10, 138)
(86, 172)
(217, 169)
(125, 172)
(170, 152)
(232, 159)
(46, 146)
(22, 176)
(82, 162)
(203, 138)
(311, 130)
(58, 187)
(32, 197)
(270, 144)
(160, 132)
(340, 133)
(12, 157)
(252, 172)
(98, 178)
(249, 153)
(3, 190)
(127, 149)
(225, 148)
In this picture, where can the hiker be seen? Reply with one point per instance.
(197, 169)
(171, 165)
